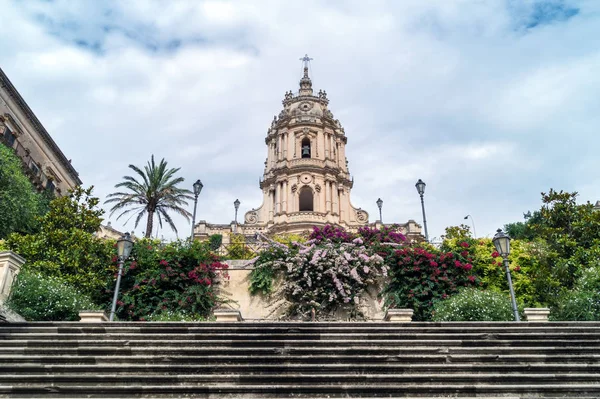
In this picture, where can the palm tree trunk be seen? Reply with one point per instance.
(149, 224)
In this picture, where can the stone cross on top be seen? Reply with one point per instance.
(306, 59)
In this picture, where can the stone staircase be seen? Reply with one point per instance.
(300, 360)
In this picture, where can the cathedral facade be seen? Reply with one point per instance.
(306, 181)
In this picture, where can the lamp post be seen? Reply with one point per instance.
(502, 243)
(197, 189)
(421, 190)
(379, 205)
(124, 245)
(473, 223)
(236, 205)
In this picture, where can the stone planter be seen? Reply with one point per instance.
(228, 315)
(536, 314)
(10, 265)
(92, 316)
(399, 315)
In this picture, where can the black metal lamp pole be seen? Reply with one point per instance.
(502, 243)
(124, 245)
(379, 205)
(421, 190)
(236, 205)
(197, 189)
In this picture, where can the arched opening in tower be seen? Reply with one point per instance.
(306, 148)
(306, 199)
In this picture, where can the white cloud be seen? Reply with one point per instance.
(456, 92)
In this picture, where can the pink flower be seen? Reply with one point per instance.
(468, 266)
(164, 263)
(495, 254)
(517, 268)
(457, 263)
(471, 279)
(464, 244)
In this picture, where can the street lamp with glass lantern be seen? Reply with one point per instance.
(473, 223)
(379, 205)
(236, 205)
(197, 189)
(124, 245)
(502, 243)
(421, 190)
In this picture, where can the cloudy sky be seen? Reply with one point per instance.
(490, 102)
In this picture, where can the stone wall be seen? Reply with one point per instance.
(260, 307)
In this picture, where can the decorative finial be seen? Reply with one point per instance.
(306, 59)
(305, 83)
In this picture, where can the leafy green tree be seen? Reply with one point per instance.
(564, 240)
(20, 203)
(66, 246)
(154, 191)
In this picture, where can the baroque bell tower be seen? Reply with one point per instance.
(306, 181)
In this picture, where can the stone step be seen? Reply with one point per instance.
(203, 327)
(290, 351)
(168, 367)
(293, 343)
(176, 358)
(299, 379)
(307, 391)
(398, 336)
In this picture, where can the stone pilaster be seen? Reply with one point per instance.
(10, 265)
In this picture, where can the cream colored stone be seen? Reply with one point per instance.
(10, 265)
(33, 144)
(399, 315)
(324, 176)
(227, 315)
(536, 314)
(92, 316)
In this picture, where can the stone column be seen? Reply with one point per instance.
(270, 204)
(10, 265)
(335, 206)
(327, 196)
(285, 142)
(285, 196)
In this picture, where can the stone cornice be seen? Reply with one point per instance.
(37, 125)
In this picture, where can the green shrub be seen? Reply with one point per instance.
(177, 278)
(45, 298)
(238, 249)
(215, 241)
(582, 303)
(471, 304)
(422, 276)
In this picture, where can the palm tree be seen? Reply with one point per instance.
(154, 191)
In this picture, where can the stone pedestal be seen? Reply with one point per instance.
(536, 314)
(228, 315)
(10, 265)
(399, 315)
(92, 316)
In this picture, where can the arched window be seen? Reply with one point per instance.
(306, 199)
(306, 148)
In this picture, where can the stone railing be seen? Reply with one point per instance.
(306, 216)
(10, 265)
(306, 162)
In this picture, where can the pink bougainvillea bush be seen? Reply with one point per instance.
(176, 279)
(322, 276)
(422, 276)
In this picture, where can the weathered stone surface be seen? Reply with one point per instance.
(399, 315)
(300, 360)
(8, 316)
(536, 314)
(227, 315)
(92, 316)
(10, 265)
